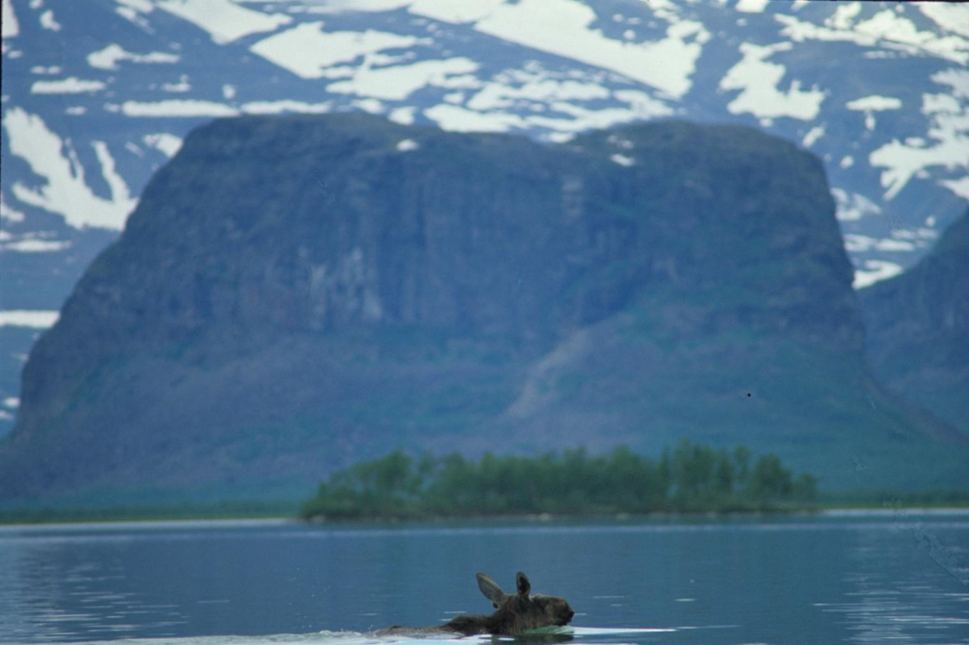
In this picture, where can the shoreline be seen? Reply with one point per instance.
(285, 520)
(94, 525)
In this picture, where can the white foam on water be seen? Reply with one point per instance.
(620, 631)
(358, 638)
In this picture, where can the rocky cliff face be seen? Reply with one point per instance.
(296, 293)
(918, 328)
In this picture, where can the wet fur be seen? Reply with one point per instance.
(514, 614)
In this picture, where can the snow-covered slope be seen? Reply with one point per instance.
(97, 94)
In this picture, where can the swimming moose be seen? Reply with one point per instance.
(514, 614)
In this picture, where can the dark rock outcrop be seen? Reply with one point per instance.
(292, 294)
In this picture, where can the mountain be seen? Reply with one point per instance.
(918, 328)
(295, 293)
(97, 95)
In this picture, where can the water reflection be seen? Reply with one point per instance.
(52, 590)
(897, 587)
(795, 580)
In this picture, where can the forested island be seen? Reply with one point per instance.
(687, 478)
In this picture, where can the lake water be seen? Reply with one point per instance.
(850, 578)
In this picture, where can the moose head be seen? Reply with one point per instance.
(515, 613)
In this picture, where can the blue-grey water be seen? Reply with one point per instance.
(850, 578)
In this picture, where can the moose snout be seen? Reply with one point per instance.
(567, 615)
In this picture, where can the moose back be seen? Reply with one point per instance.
(514, 613)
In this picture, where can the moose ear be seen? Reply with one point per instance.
(524, 586)
(490, 589)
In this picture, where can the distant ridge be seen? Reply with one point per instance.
(918, 328)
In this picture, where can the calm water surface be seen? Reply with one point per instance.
(883, 578)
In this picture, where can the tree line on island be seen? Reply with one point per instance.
(686, 478)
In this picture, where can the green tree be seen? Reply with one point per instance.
(741, 457)
(688, 477)
(805, 488)
(769, 480)
(724, 473)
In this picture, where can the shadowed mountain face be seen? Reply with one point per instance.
(296, 293)
(918, 328)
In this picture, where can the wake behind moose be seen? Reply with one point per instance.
(515, 613)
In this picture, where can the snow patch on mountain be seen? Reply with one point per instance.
(922, 237)
(958, 186)
(9, 27)
(49, 21)
(850, 207)
(403, 115)
(69, 85)
(33, 319)
(948, 115)
(181, 87)
(454, 12)
(172, 108)
(131, 10)
(535, 88)
(52, 69)
(666, 64)
(751, 6)
(12, 215)
(864, 243)
(109, 57)
(166, 143)
(34, 245)
(400, 81)
(285, 106)
(885, 28)
(66, 192)
(308, 51)
(224, 20)
(812, 136)
(758, 82)
(874, 103)
(459, 119)
(873, 271)
(956, 79)
(575, 118)
(950, 17)
(871, 104)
